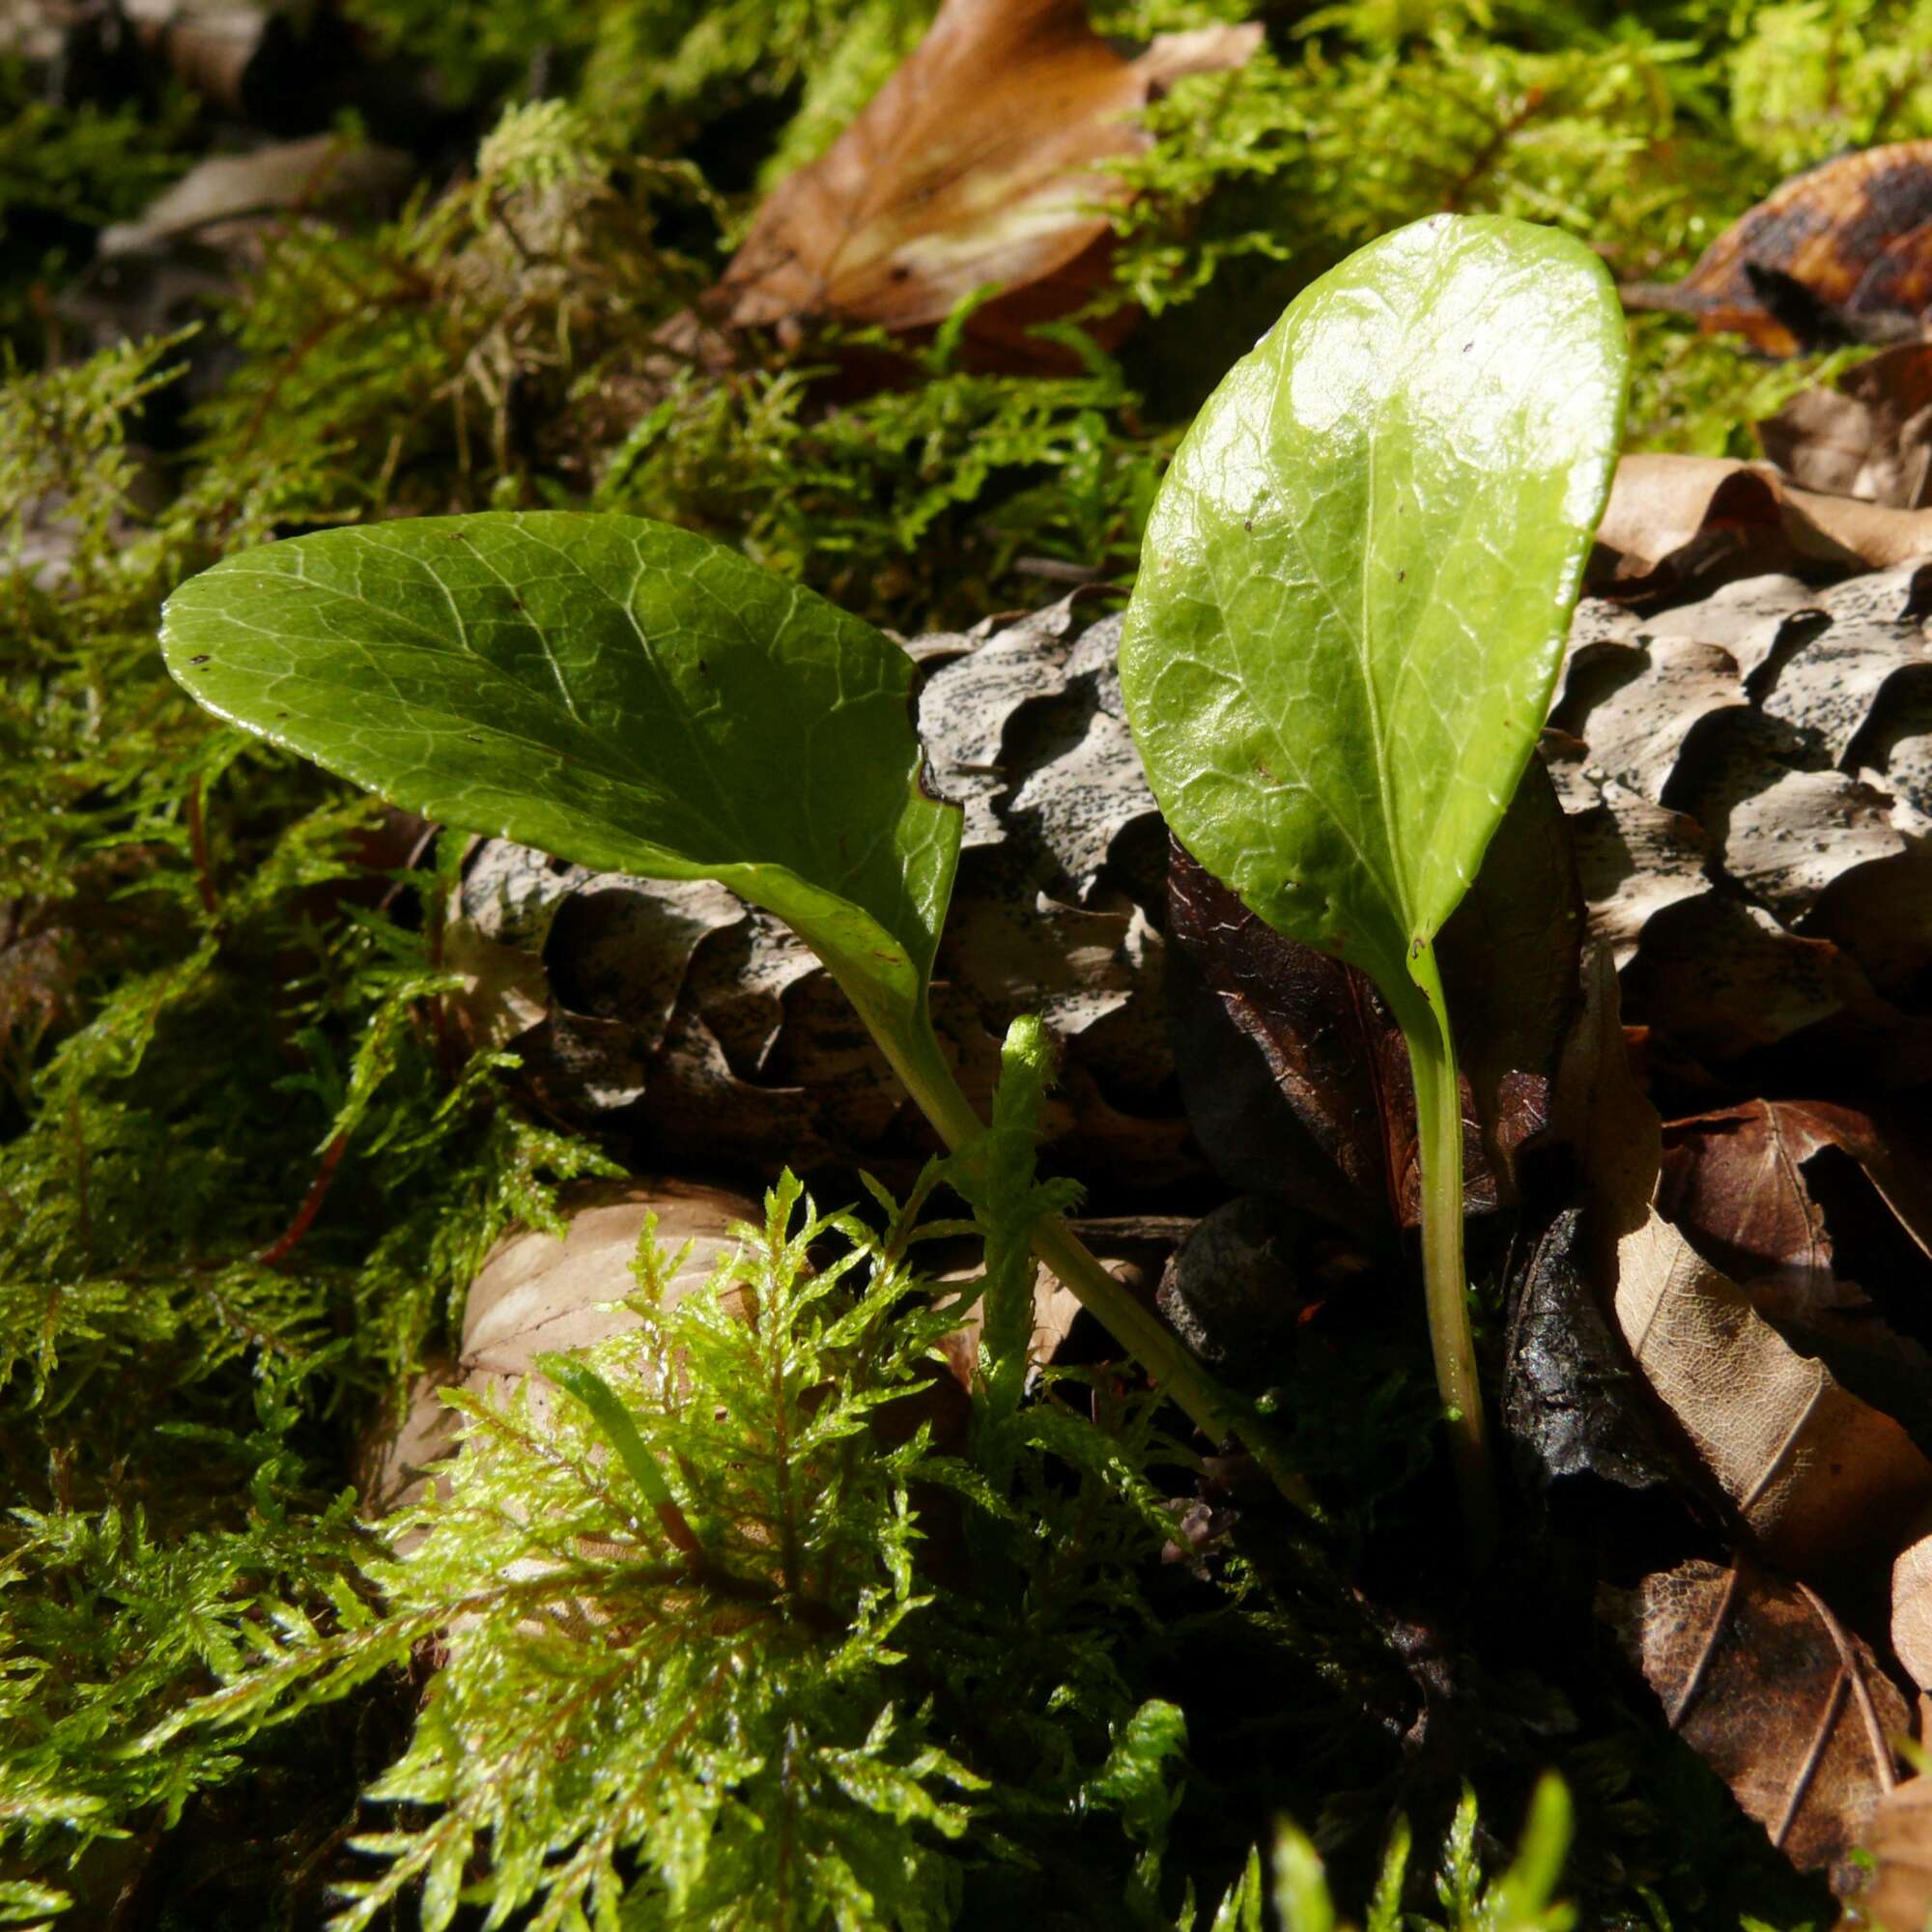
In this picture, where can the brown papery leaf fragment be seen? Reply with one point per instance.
(1871, 436)
(979, 162)
(536, 1292)
(1899, 1838)
(1787, 1706)
(1839, 252)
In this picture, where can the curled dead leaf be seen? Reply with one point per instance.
(1820, 1480)
(1842, 252)
(1735, 1181)
(1818, 1477)
(1789, 1708)
(1680, 522)
(981, 162)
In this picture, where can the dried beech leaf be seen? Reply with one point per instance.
(1854, 236)
(536, 1295)
(1785, 1705)
(1696, 518)
(1899, 1838)
(1634, 857)
(1724, 978)
(1746, 775)
(1871, 436)
(1133, 1247)
(1735, 1180)
(1912, 1608)
(219, 203)
(1818, 1476)
(979, 163)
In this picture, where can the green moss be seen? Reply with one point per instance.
(219, 972)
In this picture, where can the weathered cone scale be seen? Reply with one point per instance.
(1747, 786)
(706, 1029)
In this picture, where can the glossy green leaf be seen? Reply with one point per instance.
(1358, 575)
(612, 690)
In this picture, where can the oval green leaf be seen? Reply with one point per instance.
(1358, 575)
(615, 690)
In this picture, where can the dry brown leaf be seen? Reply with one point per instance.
(1634, 857)
(220, 202)
(979, 162)
(1841, 251)
(1747, 778)
(1912, 1607)
(536, 1292)
(1899, 1838)
(1681, 520)
(1817, 1477)
(1787, 1706)
(1133, 1247)
(1871, 436)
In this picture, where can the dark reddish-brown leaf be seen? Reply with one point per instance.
(1295, 1075)
(979, 162)
(1735, 1181)
(1787, 1706)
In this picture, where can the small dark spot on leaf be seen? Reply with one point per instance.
(1247, 522)
(1402, 576)
(201, 659)
(703, 668)
(1467, 347)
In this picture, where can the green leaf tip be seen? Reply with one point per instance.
(1357, 579)
(616, 690)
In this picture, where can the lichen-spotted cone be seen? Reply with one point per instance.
(1353, 596)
